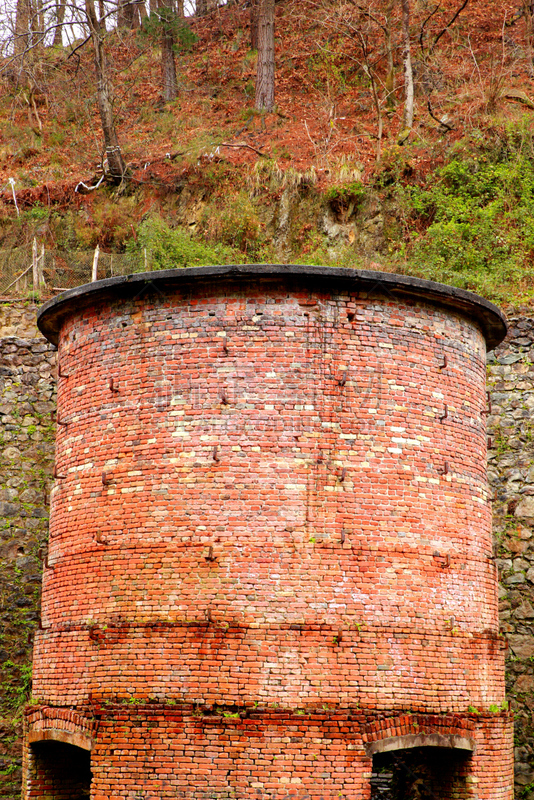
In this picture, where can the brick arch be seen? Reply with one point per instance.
(60, 725)
(420, 740)
(420, 730)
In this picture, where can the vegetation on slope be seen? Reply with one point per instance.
(330, 177)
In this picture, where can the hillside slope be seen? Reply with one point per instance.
(211, 180)
(330, 176)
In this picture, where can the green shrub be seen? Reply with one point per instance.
(344, 199)
(472, 225)
(169, 248)
(235, 222)
(37, 213)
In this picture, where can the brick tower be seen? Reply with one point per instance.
(269, 572)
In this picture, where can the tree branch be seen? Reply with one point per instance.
(440, 121)
(422, 31)
(448, 25)
(226, 144)
(78, 46)
(368, 14)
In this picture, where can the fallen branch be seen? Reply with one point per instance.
(19, 277)
(227, 144)
(440, 121)
(89, 188)
(448, 25)
(519, 96)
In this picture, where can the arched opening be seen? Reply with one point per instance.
(420, 773)
(59, 771)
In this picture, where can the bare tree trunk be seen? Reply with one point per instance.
(37, 24)
(390, 76)
(116, 166)
(142, 13)
(408, 73)
(528, 10)
(135, 16)
(265, 70)
(121, 19)
(204, 7)
(123, 14)
(253, 24)
(128, 15)
(168, 65)
(22, 27)
(60, 16)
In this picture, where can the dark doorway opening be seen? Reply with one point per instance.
(62, 771)
(420, 773)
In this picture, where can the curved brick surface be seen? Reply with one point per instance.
(381, 668)
(271, 491)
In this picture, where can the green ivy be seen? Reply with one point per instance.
(16, 683)
(472, 224)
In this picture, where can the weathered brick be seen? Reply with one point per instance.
(269, 549)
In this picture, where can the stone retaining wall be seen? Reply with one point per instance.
(27, 398)
(511, 474)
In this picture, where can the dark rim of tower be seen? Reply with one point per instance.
(490, 318)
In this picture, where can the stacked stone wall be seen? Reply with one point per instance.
(27, 400)
(511, 475)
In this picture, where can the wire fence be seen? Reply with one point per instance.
(26, 271)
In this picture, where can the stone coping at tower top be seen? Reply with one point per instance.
(490, 318)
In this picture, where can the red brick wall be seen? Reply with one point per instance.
(492, 763)
(268, 499)
(159, 751)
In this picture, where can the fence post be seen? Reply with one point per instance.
(35, 266)
(40, 267)
(94, 275)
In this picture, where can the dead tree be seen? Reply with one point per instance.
(407, 120)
